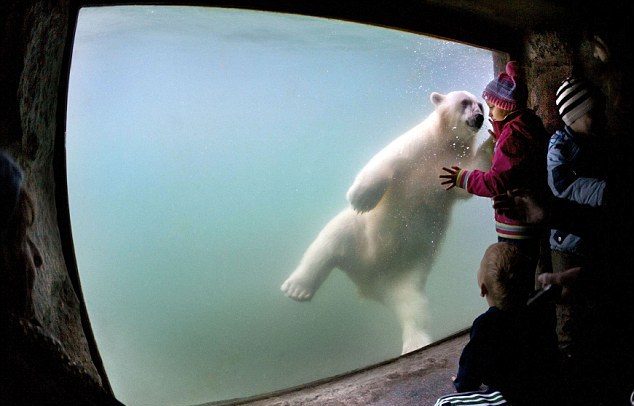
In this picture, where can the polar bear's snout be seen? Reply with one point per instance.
(476, 121)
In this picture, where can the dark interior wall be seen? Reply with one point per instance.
(56, 342)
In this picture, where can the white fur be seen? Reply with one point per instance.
(387, 239)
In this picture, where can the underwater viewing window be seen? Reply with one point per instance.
(206, 149)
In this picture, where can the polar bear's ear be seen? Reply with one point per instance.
(436, 98)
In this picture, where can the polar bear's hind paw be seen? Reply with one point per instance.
(297, 290)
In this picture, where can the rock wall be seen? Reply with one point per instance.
(548, 60)
(35, 39)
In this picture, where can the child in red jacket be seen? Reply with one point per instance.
(519, 157)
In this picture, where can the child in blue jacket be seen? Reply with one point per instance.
(575, 174)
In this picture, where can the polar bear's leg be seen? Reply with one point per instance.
(324, 254)
(312, 271)
(408, 301)
(414, 335)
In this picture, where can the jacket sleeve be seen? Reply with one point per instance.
(564, 182)
(492, 182)
(470, 374)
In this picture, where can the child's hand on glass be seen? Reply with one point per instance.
(451, 177)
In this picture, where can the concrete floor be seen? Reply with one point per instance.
(417, 378)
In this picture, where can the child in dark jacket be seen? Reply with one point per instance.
(574, 160)
(512, 353)
(519, 157)
(576, 172)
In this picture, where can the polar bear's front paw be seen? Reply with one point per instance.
(298, 289)
(365, 197)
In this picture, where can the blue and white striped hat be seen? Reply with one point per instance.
(574, 98)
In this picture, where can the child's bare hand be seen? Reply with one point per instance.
(450, 177)
(491, 132)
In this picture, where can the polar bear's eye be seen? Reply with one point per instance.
(465, 103)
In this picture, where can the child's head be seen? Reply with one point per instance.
(504, 275)
(506, 93)
(581, 106)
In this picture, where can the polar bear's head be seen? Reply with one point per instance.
(460, 111)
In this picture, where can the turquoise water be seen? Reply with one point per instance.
(206, 149)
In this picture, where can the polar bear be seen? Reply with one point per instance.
(388, 237)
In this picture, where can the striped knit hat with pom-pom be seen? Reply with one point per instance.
(508, 91)
(574, 98)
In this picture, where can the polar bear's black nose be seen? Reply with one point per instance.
(479, 119)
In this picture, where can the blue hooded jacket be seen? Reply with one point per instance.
(574, 174)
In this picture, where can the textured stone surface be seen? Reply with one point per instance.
(548, 60)
(36, 39)
(43, 40)
(42, 373)
(417, 378)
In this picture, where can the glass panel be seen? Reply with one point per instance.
(206, 150)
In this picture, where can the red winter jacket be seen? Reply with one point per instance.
(519, 161)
